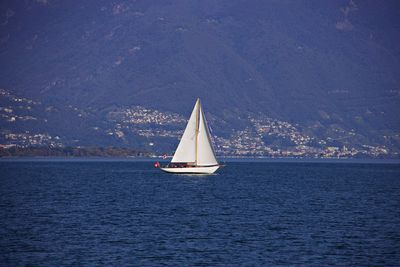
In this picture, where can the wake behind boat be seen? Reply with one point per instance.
(195, 154)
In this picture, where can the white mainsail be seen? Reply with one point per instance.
(195, 145)
(205, 151)
(186, 151)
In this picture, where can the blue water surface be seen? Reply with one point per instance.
(109, 213)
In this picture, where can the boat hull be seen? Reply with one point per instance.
(192, 170)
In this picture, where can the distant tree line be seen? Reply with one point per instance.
(45, 151)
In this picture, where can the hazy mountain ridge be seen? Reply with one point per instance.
(328, 67)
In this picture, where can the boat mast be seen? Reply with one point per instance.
(197, 128)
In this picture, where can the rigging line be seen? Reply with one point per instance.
(197, 128)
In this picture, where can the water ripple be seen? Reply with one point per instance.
(250, 214)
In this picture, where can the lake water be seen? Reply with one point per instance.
(249, 214)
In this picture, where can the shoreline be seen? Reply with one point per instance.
(221, 160)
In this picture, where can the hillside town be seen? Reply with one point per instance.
(262, 137)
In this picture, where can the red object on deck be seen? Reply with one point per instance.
(156, 165)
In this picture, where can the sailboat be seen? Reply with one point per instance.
(195, 154)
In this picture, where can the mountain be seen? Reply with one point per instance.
(331, 68)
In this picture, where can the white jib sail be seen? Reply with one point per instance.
(205, 151)
(186, 151)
